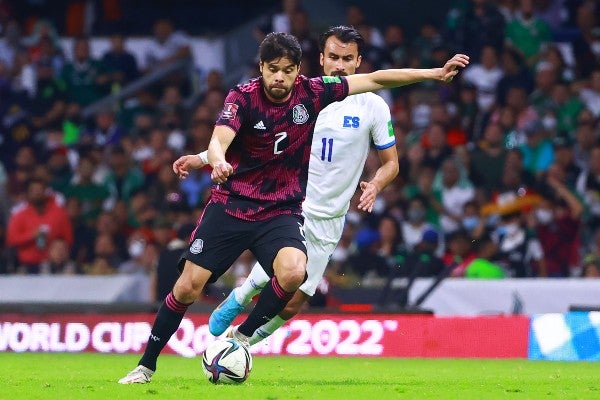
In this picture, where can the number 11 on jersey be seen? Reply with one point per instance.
(324, 151)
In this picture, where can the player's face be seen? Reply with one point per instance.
(339, 58)
(278, 77)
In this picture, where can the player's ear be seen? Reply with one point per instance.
(321, 59)
(358, 60)
(260, 66)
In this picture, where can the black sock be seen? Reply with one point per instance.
(167, 321)
(271, 301)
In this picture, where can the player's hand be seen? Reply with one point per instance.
(221, 172)
(184, 164)
(449, 70)
(368, 196)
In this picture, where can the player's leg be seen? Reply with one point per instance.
(217, 241)
(220, 319)
(188, 287)
(280, 243)
(322, 236)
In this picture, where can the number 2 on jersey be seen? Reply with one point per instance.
(324, 151)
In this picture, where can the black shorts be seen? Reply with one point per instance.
(220, 238)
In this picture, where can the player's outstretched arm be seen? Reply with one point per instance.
(389, 78)
(184, 164)
(219, 143)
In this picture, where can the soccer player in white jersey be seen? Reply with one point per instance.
(340, 145)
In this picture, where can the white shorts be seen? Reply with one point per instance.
(322, 237)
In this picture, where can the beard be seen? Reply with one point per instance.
(278, 92)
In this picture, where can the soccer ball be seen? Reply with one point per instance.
(226, 361)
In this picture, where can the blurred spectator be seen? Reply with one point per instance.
(545, 78)
(104, 249)
(588, 187)
(396, 47)
(143, 256)
(121, 63)
(106, 131)
(415, 223)
(566, 107)
(516, 73)
(90, 194)
(455, 190)
(11, 44)
(58, 260)
(167, 45)
(168, 258)
(590, 95)
(591, 268)
(487, 160)
(36, 223)
(424, 44)
(124, 178)
(86, 78)
(84, 234)
(436, 146)
(48, 104)
(421, 262)
(483, 267)
(528, 33)
(459, 253)
(485, 75)
(538, 153)
(300, 27)
(516, 102)
(564, 161)
(520, 254)
(557, 223)
(585, 140)
(477, 24)
(586, 45)
(356, 17)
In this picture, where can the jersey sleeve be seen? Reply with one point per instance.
(382, 130)
(329, 89)
(232, 113)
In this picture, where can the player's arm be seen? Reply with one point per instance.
(384, 175)
(389, 78)
(219, 143)
(184, 164)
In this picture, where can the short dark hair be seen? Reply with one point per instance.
(277, 45)
(345, 34)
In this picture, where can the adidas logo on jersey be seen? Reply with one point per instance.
(260, 125)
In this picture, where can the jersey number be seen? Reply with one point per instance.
(324, 151)
(280, 136)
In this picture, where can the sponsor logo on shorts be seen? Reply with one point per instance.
(196, 247)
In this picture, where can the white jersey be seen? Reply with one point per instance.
(339, 150)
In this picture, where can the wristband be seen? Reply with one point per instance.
(204, 157)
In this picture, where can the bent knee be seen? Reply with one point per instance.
(291, 278)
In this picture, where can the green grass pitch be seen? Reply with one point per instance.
(93, 376)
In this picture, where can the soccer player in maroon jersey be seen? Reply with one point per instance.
(259, 152)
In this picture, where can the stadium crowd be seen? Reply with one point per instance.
(499, 171)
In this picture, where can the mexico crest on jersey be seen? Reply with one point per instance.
(196, 247)
(299, 114)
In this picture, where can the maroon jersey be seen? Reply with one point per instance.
(271, 149)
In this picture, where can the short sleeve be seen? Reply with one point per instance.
(231, 114)
(382, 130)
(329, 89)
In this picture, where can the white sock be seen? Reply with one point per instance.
(253, 284)
(267, 329)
